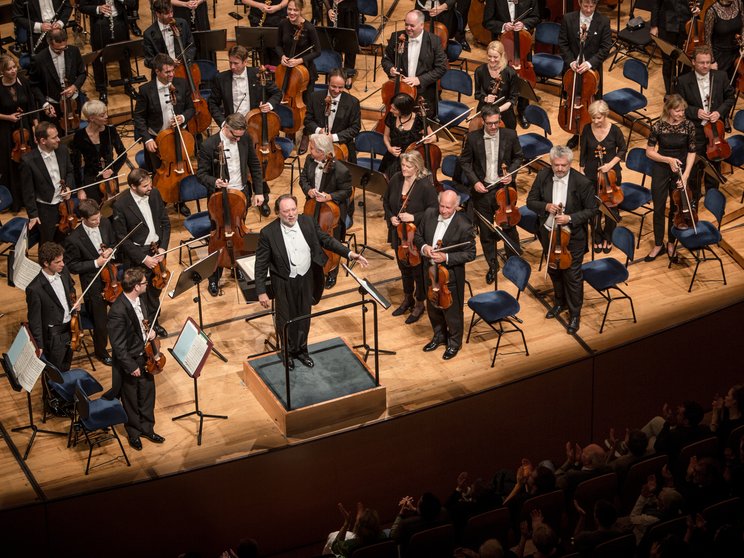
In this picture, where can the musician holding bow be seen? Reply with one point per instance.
(496, 83)
(308, 43)
(159, 37)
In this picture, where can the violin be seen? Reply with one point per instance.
(396, 85)
(326, 214)
(407, 252)
(607, 187)
(70, 120)
(475, 22)
(438, 292)
(717, 148)
(579, 90)
(738, 75)
(174, 148)
(518, 45)
(294, 83)
(476, 122)
(340, 151)
(192, 74)
(438, 28)
(431, 153)
(110, 187)
(110, 277)
(685, 215)
(695, 30)
(155, 359)
(68, 221)
(228, 208)
(507, 213)
(160, 273)
(559, 257)
(76, 332)
(263, 128)
(22, 136)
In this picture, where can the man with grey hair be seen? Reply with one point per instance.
(564, 199)
(330, 185)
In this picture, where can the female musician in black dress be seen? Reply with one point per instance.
(287, 29)
(16, 97)
(194, 12)
(93, 149)
(724, 20)
(674, 136)
(487, 74)
(413, 182)
(402, 128)
(602, 132)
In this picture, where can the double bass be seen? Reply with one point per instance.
(263, 128)
(294, 82)
(608, 189)
(191, 73)
(431, 153)
(475, 22)
(518, 45)
(394, 86)
(579, 90)
(326, 214)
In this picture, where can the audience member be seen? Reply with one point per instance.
(366, 531)
(727, 413)
(580, 465)
(411, 519)
(652, 507)
(605, 518)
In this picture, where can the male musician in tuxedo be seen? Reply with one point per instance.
(440, 11)
(709, 97)
(47, 177)
(49, 302)
(334, 186)
(292, 248)
(240, 158)
(423, 61)
(45, 15)
(129, 377)
(142, 204)
(483, 156)
(86, 250)
(450, 227)
(668, 19)
(596, 48)
(108, 25)
(154, 112)
(564, 197)
(159, 37)
(58, 72)
(345, 116)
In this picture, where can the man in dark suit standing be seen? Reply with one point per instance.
(423, 61)
(292, 248)
(49, 304)
(448, 226)
(321, 186)
(240, 157)
(86, 250)
(483, 157)
(596, 48)
(668, 19)
(42, 172)
(45, 16)
(709, 97)
(441, 11)
(344, 120)
(143, 204)
(159, 38)
(562, 197)
(129, 378)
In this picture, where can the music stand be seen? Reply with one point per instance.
(526, 91)
(125, 50)
(710, 170)
(338, 39)
(193, 276)
(210, 42)
(516, 250)
(257, 39)
(107, 207)
(676, 54)
(90, 57)
(377, 183)
(191, 351)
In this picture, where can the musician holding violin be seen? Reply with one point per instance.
(403, 127)
(409, 194)
(669, 21)
(724, 27)
(564, 202)
(488, 158)
(602, 148)
(298, 51)
(87, 249)
(159, 38)
(497, 81)
(130, 380)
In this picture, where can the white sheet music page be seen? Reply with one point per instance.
(191, 347)
(26, 365)
(24, 270)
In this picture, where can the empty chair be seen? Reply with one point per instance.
(547, 66)
(438, 542)
(327, 61)
(533, 144)
(64, 384)
(372, 143)
(626, 101)
(636, 197)
(287, 145)
(707, 447)
(736, 142)
(208, 70)
(460, 82)
(449, 163)
(190, 189)
(198, 225)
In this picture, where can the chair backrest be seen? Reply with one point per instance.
(551, 505)
(658, 531)
(369, 142)
(739, 121)
(727, 511)
(734, 437)
(457, 80)
(191, 189)
(5, 198)
(518, 271)
(636, 478)
(82, 402)
(454, 50)
(715, 202)
(590, 491)
(448, 165)
(547, 33)
(384, 549)
(494, 524)
(368, 7)
(327, 61)
(286, 118)
(638, 161)
(636, 71)
(706, 447)
(537, 116)
(431, 543)
(624, 239)
(620, 547)
(208, 70)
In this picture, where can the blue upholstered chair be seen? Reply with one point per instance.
(626, 101)
(637, 198)
(533, 144)
(64, 383)
(372, 143)
(460, 82)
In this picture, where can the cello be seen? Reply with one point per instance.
(559, 256)
(294, 83)
(695, 30)
(191, 73)
(518, 45)
(263, 128)
(407, 251)
(326, 214)
(507, 214)
(431, 153)
(607, 187)
(394, 86)
(475, 22)
(579, 90)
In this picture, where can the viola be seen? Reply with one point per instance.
(396, 85)
(695, 30)
(407, 251)
(518, 45)
(559, 257)
(737, 79)
(76, 332)
(607, 187)
(192, 74)
(685, 215)
(507, 213)
(439, 29)
(326, 214)
(476, 122)
(294, 83)
(475, 22)
(68, 221)
(431, 153)
(21, 137)
(579, 90)
(340, 151)
(70, 120)
(109, 188)
(438, 292)
(155, 359)
(718, 148)
(263, 128)
(110, 277)
(160, 273)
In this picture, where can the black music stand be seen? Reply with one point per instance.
(710, 170)
(338, 39)
(367, 288)
(257, 39)
(210, 42)
(125, 50)
(516, 250)
(193, 276)
(526, 91)
(375, 182)
(90, 57)
(677, 55)
(248, 288)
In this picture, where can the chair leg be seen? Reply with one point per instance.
(121, 446)
(472, 323)
(90, 450)
(87, 354)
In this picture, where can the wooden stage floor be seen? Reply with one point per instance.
(413, 379)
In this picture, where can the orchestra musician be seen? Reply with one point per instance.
(497, 69)
(345, 119)
(443, 12)
(142, 204)
(672, 147)
(412, 186)
(292, 248)
(194, 12)
(240, 158)
(335, 188)
(668, 19)
(159, 38)
(446, 225)
(402, 128)
(709, 97)
(565, 197)
(601, 132)
(16, 97)
(86, 250)
(347, 18)
(266, 14)
(287, 28)
(129, 377)
(463, 6)
(45, 15)
(153, 109)
(724, 20)
(423, 62)
(93, 149)
(596, 48)
(43, 172)
(108, 25)
(483, 156)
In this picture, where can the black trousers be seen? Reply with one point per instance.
(100, 37)
(57, 346)
(662, 182)
(97, 309)
(698, 176)
(667, 65)
(568, 284)
(48, 219)
(138, 399)
(412, 278)
(486, 205)
(294, 298)
(603, 226)
(448, 324)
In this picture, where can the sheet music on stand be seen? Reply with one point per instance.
(192, 348)
(24, 270)
(247, 278)
(22, 362)
(371, 290)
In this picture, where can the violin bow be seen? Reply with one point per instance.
(186, 154)
(515, 171)
(117, 177)
(443, 126)
(112, 163)
(500, 231)
(160, 306)
(477, 114)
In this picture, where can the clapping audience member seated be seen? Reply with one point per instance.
(653, 506)
(628, 452)
(428, 513)
(489, 549)
(247, 548)
(727, 413)
(542, 544)
(580, 465)
(703, 484)
(469, 499)
(365, 530)
(605, 518)
(681, 428)
(531, 482)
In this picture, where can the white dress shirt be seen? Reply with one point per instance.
(232, 158)
(414, 51)
(331, 117)
(47, 15)
(703, 83)
(167, 33)
(588, 22)
(94, 234)
(240, 93)
(165, 104)
(59, 289)
(512, 5)
(143, 203)
(52, 166)
(59, 64)
(318, 175)
(140, 316)
(440, 231)
(492, 157)
(560, 193)
(298, 249)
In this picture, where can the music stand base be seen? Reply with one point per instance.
(35, 429)
(368, 349)
(198, 413)
(364, 247)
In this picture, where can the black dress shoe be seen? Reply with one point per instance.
(213, 288)
(304, 142)
(573, 142)
(136, 443)
(136, 31)
(184, 210)
(451, 352)
(415, 316)
(264, 209)
(431, 345)
(330, 282)
(107, 360)
(161, 331)
(103, 97)
(523, 122)
(554, 311)
(155, 438)
(573, 325)
(490, 276)
(404, 307)
(465, 45)
(305, 359)
(290, 363)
